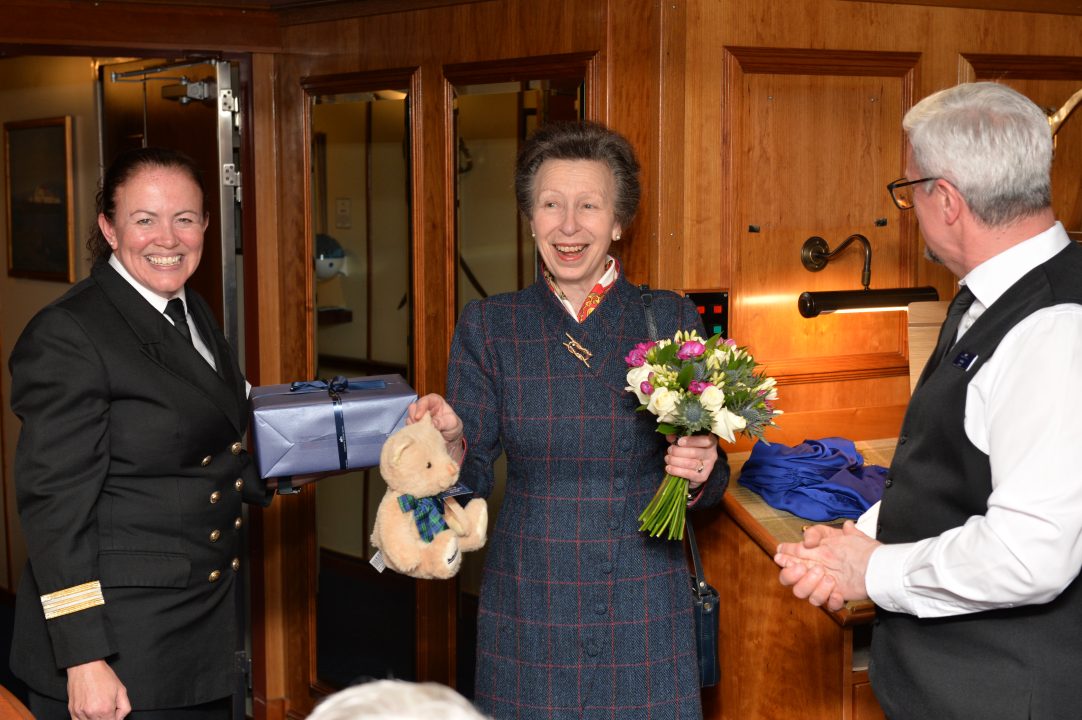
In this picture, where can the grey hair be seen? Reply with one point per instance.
(395, 700)
(580, 141)
(989, 141)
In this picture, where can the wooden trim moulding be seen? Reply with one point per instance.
(804, 61)
(518, 69)
(1024, 67)
(837, 367)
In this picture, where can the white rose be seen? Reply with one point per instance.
(712, 398)
(636, 376)
(663, 404)
(726, 424)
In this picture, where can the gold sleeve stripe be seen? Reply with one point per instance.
(72, 600)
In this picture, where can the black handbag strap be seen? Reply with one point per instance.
(696, 563)
(647, 298)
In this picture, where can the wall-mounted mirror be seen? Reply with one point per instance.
(360, 218)
(495, 251)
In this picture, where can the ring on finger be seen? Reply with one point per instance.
(701, 466)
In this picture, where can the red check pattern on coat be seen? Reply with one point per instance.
(580, 616)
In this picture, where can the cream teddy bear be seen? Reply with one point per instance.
(414, 537)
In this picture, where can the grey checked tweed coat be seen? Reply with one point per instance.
(581, 616)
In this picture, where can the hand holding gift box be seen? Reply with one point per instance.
(315, 427)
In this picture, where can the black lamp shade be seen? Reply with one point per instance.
(812, 304)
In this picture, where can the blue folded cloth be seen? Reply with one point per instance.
(817, 480)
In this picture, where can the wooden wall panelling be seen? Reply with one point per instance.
(1049, 81)
(811, 646)
(828, 398)
(263, 360)
(633, 107)
(815, 138)
(57, 26)
(435, 266)
(678, 266)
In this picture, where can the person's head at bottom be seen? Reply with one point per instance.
(395, 700)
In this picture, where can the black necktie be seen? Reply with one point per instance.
(957, 309)
(175, 310)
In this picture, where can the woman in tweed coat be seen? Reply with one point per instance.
(581, 615)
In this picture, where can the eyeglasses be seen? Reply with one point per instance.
(901, 191)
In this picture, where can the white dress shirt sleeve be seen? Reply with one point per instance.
(1024, 409)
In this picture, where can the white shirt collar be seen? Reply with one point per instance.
(993, 277)
(156, 300)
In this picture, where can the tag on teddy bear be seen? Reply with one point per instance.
(376, 561)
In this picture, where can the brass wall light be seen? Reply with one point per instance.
(815, 254)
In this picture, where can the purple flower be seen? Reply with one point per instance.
(646, 387)
(637, 356)
(690, 349)
(696, 387)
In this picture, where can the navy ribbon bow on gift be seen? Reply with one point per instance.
(426, 514)
(335, 387)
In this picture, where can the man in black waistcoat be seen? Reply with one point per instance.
(973, 555)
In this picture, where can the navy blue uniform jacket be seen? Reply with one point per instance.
(581, 616)
(129, 471)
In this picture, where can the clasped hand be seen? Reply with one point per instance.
(829, 566)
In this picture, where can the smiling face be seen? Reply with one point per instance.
(157, 228)
(573, 222)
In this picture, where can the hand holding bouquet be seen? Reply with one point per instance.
(694, 386)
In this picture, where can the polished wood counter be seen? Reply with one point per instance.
(780, 657)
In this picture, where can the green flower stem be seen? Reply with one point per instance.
(667, 510)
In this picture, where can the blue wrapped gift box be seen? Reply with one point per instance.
(309, 427)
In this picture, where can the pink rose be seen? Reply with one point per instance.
(637, 356)
(690, 349)
(695, 387)
(646, 387)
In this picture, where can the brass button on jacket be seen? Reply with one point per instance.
(237, 523)
(236, 563)
(215, 497)
(214, 535)
(214, 575)
(206, 461)
(238, 484)
(235, 448)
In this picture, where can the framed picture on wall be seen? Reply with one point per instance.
(38, 182)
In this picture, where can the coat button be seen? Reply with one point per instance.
(619, 484)
(215, 497)
(235, 564)
(214, 575)
(903, 439)
(591, 648)
(214, 535)
(888, 482)
(606, 567)
(235, 448)
(237, 523)
(601, 608)
(238, 484)
(206, 461)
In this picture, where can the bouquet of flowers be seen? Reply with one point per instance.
(693, 386)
